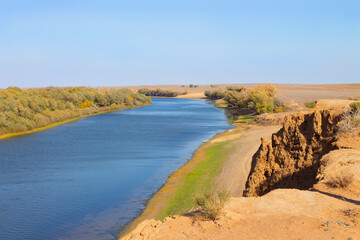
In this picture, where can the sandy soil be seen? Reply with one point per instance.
(332, 104)
(281, 214)
(193, 95)
(237, 166)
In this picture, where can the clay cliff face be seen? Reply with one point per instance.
(293, 157)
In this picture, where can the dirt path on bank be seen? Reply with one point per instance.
(237, 166)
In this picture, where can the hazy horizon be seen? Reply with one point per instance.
(128, 43)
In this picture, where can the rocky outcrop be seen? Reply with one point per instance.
(292, 158)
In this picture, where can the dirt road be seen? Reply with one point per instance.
(237, 166)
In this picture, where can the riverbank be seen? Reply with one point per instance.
(9, 135)
(327, 210)
(221, 163)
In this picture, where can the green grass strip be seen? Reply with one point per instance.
(200, 180)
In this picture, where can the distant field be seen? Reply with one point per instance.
(299, 93)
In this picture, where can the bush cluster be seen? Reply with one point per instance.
(236, 89)
(158, 92)
(310, 104)
(349, 123)
(355, 107)
(22, 110)
(215, 94)
(260, 99)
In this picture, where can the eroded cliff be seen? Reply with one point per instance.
(292, 159)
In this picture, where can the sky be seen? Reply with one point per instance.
(120, 43)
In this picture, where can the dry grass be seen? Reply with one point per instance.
(212, 203)
(340, 181)
(349, 123)
(353, 214)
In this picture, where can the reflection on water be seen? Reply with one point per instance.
(83, 180)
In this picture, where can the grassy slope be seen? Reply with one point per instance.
(198, 180)
(195, 177)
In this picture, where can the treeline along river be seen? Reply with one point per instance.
(84, 179)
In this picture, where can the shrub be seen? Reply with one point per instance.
(270, 89)
(349, 122)
(340, 181)
(158, 92)
(191, 85)
(279, 109)
(355, 107)
(236, 89)
(261, 99)
(264, 107)
(310, 104)
(85, 104)
(215, 94)
(212, 203)
(235, 99)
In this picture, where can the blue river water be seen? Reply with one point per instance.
(84, 179)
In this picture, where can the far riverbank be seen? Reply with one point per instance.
(106, 110)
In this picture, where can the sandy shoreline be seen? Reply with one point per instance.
(232, 174)
(158, 202)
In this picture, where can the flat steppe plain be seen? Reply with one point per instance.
(296, 92)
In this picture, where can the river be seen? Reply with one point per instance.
(85, 179)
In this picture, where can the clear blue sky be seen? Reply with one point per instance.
(115, 43)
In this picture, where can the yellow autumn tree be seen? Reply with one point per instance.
(86, 104)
